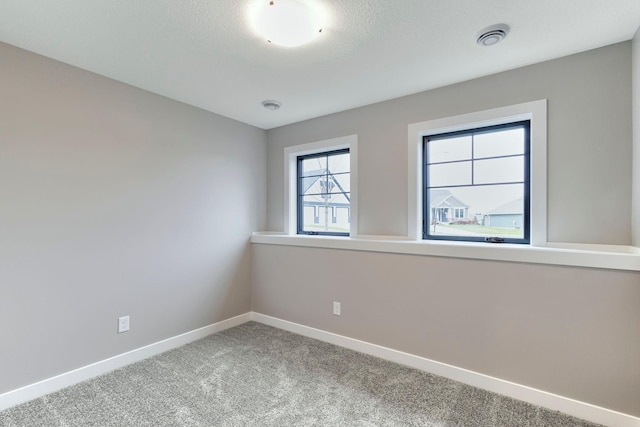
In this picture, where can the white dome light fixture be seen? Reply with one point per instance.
(287, 23)
(493, 35)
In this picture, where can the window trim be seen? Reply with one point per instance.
(290, 226)
(524, 124)
(535, 112)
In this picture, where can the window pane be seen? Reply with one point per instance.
(314, 166)
(499, 143)
(324, 193)
(341, 183)
(507, 169)
(476, 174)
(325, 214)
(448, 174)
(449, 149)
(339, 163)
(477, 211)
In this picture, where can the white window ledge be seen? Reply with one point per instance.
(568, 254)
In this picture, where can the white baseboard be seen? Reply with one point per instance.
(551, 401)
(39, 389)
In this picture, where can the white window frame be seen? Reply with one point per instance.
(535, 111)
(290, 173)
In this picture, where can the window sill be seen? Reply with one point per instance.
(567, 254)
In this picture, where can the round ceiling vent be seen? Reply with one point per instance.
(271, 104)
(493, 35)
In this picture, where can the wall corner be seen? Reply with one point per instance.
(635, 183)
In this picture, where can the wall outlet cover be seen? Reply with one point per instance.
(336, 308)
(123, 324)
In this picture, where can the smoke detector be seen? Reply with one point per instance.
(271, 104)
(493, 35)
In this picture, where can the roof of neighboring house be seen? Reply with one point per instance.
(513, 207)
(439, 197)
(308, 181)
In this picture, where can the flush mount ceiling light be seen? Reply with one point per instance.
(493, 35)
(287, 23)
(271, 104)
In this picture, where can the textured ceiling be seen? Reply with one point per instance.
(204, 53)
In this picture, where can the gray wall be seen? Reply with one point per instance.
(589, 144)
(115, 201)
(570, 331)
(636, 139)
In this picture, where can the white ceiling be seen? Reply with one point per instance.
(204, 52)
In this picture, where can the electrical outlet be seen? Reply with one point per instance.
(336, 308)
(123, 324)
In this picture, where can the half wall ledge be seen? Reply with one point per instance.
(612, 257)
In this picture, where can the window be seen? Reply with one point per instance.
(483, 171)
(535, 113)
(320, 194)
(324, 193)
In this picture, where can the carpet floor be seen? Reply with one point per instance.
(256, 375)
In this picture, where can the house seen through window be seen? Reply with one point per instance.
(324, 193)
(476, 184)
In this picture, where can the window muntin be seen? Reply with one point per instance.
(324, 193)
(476, 184)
